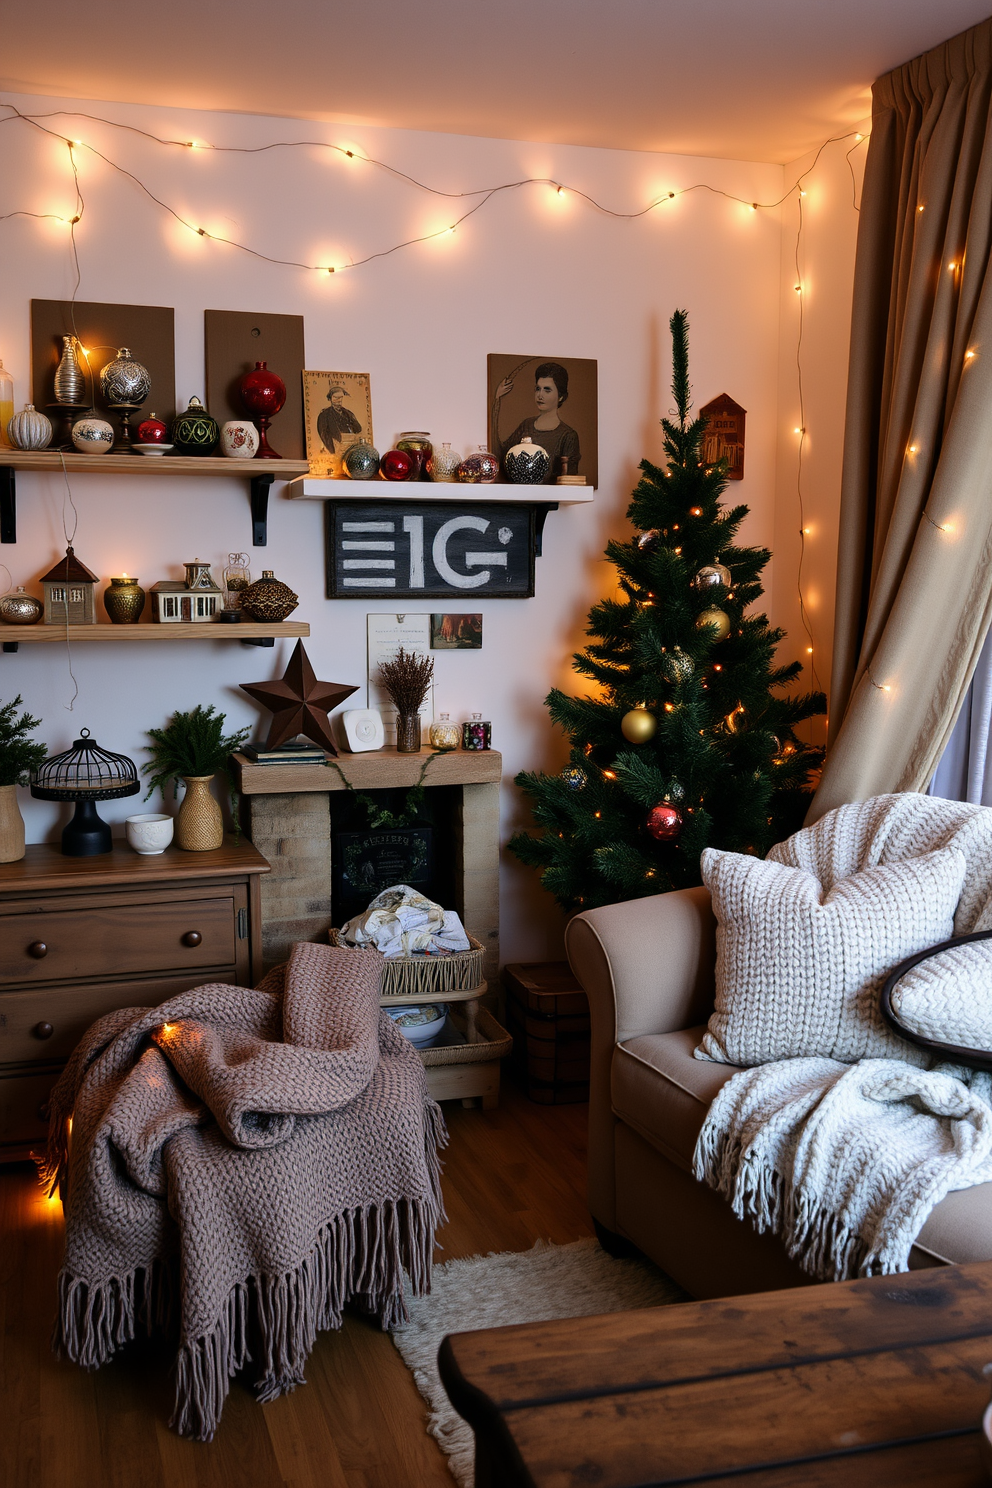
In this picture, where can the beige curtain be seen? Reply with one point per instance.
(914, 588)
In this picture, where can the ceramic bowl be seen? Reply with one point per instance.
(152, 449)
(422, 1025)
(148, 833)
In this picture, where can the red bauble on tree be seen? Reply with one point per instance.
(664, 822)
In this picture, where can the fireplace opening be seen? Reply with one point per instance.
(369, 853)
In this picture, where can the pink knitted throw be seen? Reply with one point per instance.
(241, 1164)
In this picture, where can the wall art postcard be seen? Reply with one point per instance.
(337, 409)
(552, 401)
(386, 634)
(456, 632)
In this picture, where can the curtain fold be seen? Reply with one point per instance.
(914, 587)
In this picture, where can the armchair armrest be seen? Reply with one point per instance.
(647, 967)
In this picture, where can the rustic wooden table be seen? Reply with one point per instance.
(869, 1384)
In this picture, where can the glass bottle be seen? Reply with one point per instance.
(6, 405)
(443, 464)
(236, 579)
(444, 734)
(476, 734)
(417, 443)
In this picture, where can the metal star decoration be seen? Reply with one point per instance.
(299, 703)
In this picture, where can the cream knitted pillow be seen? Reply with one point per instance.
(798, 972)
(948, 998)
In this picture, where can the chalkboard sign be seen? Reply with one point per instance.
(429, 550)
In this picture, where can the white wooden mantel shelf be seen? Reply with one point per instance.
(250, 633)
(259, 473)
(320, 488)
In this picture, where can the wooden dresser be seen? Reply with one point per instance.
(82, 936)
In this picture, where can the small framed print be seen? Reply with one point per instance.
(456, 632)
(337, 410)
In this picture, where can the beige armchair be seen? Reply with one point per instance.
(648, 966)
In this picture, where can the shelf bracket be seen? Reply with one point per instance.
(260, 485)
(10, 645)
(258, 640)
(540, 517)
(8, 505)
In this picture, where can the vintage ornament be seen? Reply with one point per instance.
(417, 444)
(361, 461)
(480, 468)
(638, 725)
(19, 608)
(736, 720)
(664, 822)
(152, 431)
(238, 439)
(29, 429)
(443, 464)
(675, 792)
(124, 601)
(93, 436)
(719, 619)
(574, 777)
(269, 600)
(677, 666)
(263, 393)
(527, 463)
(195, 432)
(398, 465)
(648, 541)
(443, 734)
(712, 576)
(125, 382)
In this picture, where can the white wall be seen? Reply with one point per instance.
(531, 272)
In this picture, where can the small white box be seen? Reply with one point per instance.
(363, 729)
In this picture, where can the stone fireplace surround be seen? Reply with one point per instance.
(286, 812)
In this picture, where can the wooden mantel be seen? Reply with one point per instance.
(286, 812)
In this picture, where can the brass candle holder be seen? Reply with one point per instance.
(124, 601)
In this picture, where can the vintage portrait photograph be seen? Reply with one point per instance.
(456, 632)
(337, 409)
(551, 401)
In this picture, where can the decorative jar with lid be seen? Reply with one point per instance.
(527, 463)
(417, 444)
(195, 432)
(480, 468)
(443, 733)
(443, 464)
(268, 599)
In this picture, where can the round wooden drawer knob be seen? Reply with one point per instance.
(37, 949)
(43, 1030)
(192, 938)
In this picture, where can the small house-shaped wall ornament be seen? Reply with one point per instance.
(723, 438)
(69, 591)
(174, 603)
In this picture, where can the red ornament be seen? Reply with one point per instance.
(152, 431)
(397, 465)
(263, 394)
(664, 822)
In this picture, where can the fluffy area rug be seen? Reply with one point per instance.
(493, 1291)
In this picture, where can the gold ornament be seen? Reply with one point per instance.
(719, 619)
(638, 725)
(735, 721)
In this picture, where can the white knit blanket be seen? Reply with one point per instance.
(845, 1162)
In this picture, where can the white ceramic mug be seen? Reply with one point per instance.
(149, 833)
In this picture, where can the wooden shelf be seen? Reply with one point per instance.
(378, 769)
(250, 633)
(259, 473)
(319, 488)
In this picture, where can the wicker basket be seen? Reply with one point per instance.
(494, 1043)
(423, 976)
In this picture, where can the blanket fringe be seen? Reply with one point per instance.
(94, 1320)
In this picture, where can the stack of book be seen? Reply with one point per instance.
(296, 752)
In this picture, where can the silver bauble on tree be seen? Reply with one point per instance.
(712, 576)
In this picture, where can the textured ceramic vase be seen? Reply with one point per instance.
(480, 468)
(527, 463)
(443, 464)
(268, 599)
(70, 384)
(20, 608)
(408, 733)
(195, 432)
(199, 825)
(93, 436)
(29, 429)
(125, 381)
(362, 461)
(239, 440)
(124, 601)
(11, 826)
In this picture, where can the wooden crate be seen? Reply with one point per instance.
(547, 1014)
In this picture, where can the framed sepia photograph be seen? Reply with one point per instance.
(456, 632)
(552, 401)
(337, 411)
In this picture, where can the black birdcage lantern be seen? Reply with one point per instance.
(85, 774)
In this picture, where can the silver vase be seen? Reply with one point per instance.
(70, 384)
(124, 381)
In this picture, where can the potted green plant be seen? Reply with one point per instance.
(194, 748)
(18, 757)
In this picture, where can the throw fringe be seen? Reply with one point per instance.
(816, 1238)
(94, 1320)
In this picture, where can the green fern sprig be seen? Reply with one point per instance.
(18, 755)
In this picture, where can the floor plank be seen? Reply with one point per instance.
(512, 1176)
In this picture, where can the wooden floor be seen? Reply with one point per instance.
(512, 1176)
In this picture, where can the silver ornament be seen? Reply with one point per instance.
(711, 576)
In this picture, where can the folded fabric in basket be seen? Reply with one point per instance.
(400, 922)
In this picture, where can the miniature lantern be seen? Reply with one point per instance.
(69, 590)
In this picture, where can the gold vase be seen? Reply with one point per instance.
(199, 825)
(11, 826)
(124, 601)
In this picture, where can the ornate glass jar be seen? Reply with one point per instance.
(195, 432)
(125, 381)
(527, 463)
(443, 464)
(417, 442)
(444, 734)
(362, 461)
(480, 468)
(476, 734)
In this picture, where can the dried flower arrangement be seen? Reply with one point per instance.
(406, 680)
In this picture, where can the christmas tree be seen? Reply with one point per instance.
(689, 740)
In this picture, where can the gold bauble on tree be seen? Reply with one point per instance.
(717, 618)
(638, 725)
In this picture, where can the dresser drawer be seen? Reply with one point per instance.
(46, 1023)
(126, 937)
